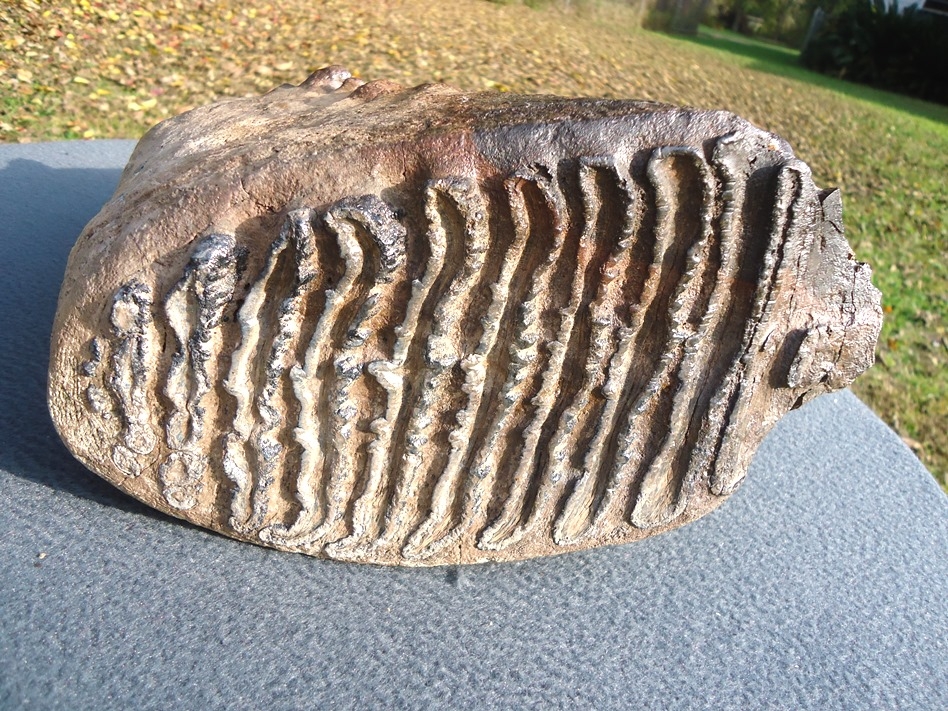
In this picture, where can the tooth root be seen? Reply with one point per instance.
(266, 435)
(515, 517)
(194, 309)
(790, 240)
(584, 510)
(322, 393)
(660, 497)
(450, 371)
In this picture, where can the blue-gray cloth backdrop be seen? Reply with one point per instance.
(822, 583)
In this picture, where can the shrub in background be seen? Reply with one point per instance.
(783, 21)
(681, 16)
(866, 42)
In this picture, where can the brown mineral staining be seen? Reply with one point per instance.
(418, 326)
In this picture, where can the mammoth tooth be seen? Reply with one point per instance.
(193, 309)
(254, 442)
(636, 406)
(441, 350)
(419, 327)
(370, 301)
(523, 356)
(130, 320)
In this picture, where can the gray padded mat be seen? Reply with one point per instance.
(822, 583)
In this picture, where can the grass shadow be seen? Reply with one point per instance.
(42, 211)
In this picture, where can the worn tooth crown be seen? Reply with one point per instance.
(415, 326)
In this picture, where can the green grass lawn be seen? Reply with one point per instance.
(783, 61)
(81, 69)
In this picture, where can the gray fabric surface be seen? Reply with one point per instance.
(821, 584)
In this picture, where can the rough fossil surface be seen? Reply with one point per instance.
(420, 326)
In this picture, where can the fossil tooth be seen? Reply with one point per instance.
(420, 326)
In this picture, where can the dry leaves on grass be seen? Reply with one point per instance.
(92, 68)
(87, 68)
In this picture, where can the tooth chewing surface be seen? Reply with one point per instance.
(525, 339)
